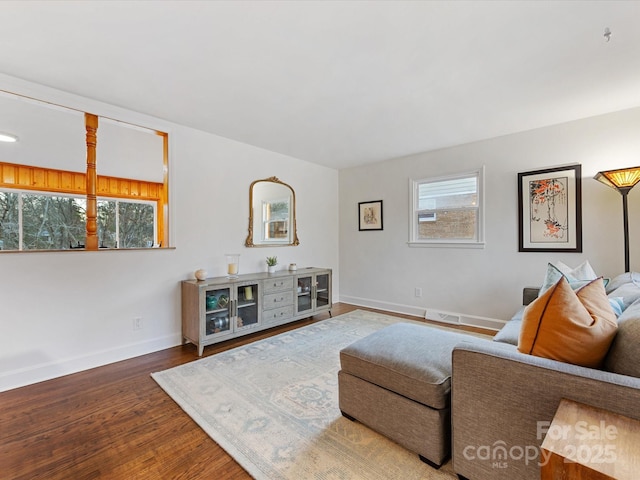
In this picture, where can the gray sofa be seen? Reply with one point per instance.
(488, 405)
(502, 400)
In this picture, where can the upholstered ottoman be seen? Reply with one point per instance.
(397, 381)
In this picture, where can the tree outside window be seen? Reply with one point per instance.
(38, 221)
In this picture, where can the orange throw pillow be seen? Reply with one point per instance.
(570, 326)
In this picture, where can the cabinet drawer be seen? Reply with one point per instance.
(277, 284)
(278, 314)
(277, 300)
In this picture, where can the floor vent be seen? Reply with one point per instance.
(440, 316)
(461, 319)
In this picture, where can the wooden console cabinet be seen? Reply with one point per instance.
(221, 308)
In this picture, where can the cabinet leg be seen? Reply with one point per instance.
(200, 350)
(330, 314)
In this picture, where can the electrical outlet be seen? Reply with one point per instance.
(137, 323)
(418, 292)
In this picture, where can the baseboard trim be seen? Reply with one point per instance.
(464, 319)
(386, 306)
(49, 369)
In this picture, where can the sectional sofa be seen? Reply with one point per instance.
(485, 402)
(503, 401)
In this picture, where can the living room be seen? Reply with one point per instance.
(65, 312)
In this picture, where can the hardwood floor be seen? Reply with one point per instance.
(115, 422)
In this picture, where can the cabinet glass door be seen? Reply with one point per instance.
(218, 311)
(247, 312)
(304, 294)
(322, 290)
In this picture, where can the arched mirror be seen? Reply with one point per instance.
(272, 214)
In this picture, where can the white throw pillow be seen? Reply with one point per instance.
(584, 271)
(577, 277)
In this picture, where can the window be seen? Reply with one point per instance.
(448, 211)
(42, 221)
(126, 224)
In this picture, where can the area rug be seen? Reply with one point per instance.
(273, 406)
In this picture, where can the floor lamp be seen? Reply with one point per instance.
(622, 180)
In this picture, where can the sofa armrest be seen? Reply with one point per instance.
(502, 401)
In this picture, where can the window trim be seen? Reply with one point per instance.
(479, 242)
(117, 201)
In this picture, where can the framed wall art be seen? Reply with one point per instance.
(370, 215)
(550, 210)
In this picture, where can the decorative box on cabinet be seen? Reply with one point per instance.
(220, 308)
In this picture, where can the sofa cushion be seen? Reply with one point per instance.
(628, 278)
(624, 354)
(411, 360)
(510, 333)
(570, 326)
(511, 330)
(625, 286)
(617, 305)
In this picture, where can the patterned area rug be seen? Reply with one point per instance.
(273, 406)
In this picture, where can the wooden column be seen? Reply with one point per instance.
(91, 125)
(163, 202)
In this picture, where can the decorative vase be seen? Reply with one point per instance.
(293, 267)
(271, 268)
(211, 302)
(233, 265)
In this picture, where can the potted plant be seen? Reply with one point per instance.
(271, 264)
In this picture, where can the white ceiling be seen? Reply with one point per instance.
(339, 83)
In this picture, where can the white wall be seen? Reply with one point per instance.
(67, 311)
(379, 269)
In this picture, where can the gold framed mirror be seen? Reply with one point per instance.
(272, 214)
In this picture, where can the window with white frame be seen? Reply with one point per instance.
(448, 210)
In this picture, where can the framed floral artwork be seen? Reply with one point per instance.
(550, 210)
(370, 215)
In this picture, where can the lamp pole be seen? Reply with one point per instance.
(625, 219)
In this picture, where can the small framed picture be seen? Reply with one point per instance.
(370, 215)
(550, 210)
